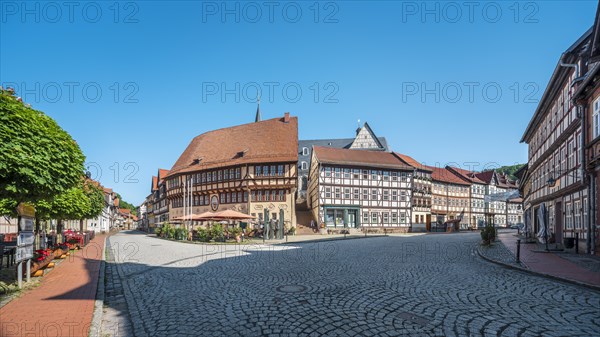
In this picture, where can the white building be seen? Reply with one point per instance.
(359, 188)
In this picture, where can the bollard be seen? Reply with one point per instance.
(519, 251)
(576, 243)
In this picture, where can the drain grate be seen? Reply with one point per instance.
(407, 316)
(291, 288)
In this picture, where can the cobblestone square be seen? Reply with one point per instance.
(430, 285)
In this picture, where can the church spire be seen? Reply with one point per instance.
(258, 118)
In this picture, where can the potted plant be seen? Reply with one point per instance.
(236, 232)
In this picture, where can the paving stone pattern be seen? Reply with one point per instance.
(433, 285)
(498, 252)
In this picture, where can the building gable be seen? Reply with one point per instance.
(366, 139)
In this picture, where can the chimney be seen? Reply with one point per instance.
(286, 117)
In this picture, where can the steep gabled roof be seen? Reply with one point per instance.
(272, 140)
(467, 175)
(375, 159)
(154, 183)
(443, 175)
(486, 176)
(372, 135)
(162, 173)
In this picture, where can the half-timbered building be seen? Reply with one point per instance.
(421, 191)
(360, 188)
(249, 168)
(556, 151)
(476, 212)
(450, 197)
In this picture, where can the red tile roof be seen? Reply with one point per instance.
(269, 141)
(154, 183)
(469, 176)
(162, 173)
(359, 158)
(444, 175)
(411, 161)
(486, 176)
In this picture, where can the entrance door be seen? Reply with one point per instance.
(352, 219)
(558, 222)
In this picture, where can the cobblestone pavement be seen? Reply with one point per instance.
(498, 252)
(433, 285)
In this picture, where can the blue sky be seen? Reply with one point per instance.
(133, 83)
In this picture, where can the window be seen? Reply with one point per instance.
(203, 177)
(386, 195)
(356, 194)
(228, 198)
(346, 173)
(386, 175)
(265, 170)
(327, 192)
(571, 154)
(365, 194)
(273, 170)
(328, 171)
(222, 197)
(365, 174)
(305, 151)
(238, 173)
(403, 177)
(569, 216)
(402, 195)
(577, 214)
(346, 193)
(596, 118)
(337, 172)
(258, 171)
(226, 175)
(374, 175)
(259, 196)
(245, 196)
(234, 198)
(394, 176)
(267, 195)
(402, 217)
(355, 174)
(219, 175)
(374, 194)
(394, 217)
(280, 170)
(214, 176)
(386, 217)
(337, 193)
(374, 217)
(365, 217)
(281, 195)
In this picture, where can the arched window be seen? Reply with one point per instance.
(304, 165)
(305, 151)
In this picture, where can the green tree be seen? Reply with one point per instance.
(125, 204)
(38, 159)
(95, 198)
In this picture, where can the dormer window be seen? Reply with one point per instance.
(305, 151)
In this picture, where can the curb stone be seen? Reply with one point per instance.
(328, 240)
(96, 325)
(531, 272)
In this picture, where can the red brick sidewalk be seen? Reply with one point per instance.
(63, 304)
(549, 263)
